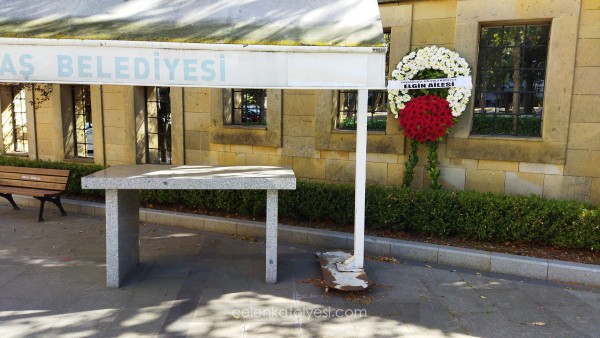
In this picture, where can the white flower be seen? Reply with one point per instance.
(431, 57)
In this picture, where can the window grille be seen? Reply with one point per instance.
(376, 109)
(83, 141)
(19, 119)
(158, 125)
(249, 107)
(377, 106)
(511, 72)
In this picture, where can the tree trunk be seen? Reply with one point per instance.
(516, 84)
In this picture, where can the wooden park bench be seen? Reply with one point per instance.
(42, 184)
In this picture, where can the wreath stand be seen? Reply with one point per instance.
(341, 270)
(336, 274)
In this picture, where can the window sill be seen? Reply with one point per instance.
(80, 160)
(345, 140)
(16, 154)
(246, 135)
(513, 149)
(353, 131)
(240, 126)
(507, 137)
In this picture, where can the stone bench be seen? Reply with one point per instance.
(122, 185)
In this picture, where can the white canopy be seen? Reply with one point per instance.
(203, 43)
(305, 44)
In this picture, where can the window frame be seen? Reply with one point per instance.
(372, 110)
(19, 91)
(167, 134)
(269, 135)
(244, 106)
(86, 114)
(342, 111)
(388, 141)
(519, 119)
(551, 148)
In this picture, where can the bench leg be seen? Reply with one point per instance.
(10, 199)
(271, 238)
(55, 200)
(122, 234)
(41, 216)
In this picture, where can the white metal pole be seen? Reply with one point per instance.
(360, 180)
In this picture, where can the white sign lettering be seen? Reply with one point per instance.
(30, 178)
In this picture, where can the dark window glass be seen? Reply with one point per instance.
(19, 119)
(376, 109)
(377, 106)
(249, 107)
(511, 72)
(158, 125)
(82, 121)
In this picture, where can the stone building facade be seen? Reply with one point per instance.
(301, 128)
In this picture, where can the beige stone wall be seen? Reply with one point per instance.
(582, 167)
(119, 124)
(553, 166)
(433, 23)
(48, 122)
(564, 163)
(196, 110)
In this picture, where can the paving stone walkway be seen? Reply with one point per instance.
(202, 284)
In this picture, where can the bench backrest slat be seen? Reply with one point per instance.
(26, 170)
(35, 178)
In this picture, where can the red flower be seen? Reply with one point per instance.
(425, 118)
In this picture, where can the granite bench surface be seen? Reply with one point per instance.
(191, 177)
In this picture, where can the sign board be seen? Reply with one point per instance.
(461, 81)
(114, 62)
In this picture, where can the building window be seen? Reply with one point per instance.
(376, 109)
(249, 107)
(18, 120)
(158, 125)
(83, 141)
(511, 72)
(377, 106)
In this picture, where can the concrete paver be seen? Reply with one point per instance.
(200, 284)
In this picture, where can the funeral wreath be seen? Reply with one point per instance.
(426, 109)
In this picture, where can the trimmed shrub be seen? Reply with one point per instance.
(473, 215)
(527, 125)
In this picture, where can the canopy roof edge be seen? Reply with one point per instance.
(351, 23)
(301, 44)
(191, 46)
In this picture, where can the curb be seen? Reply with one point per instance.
(539, 268)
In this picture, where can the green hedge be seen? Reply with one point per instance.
(473, 215)
(372, 124)
(527, 125)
